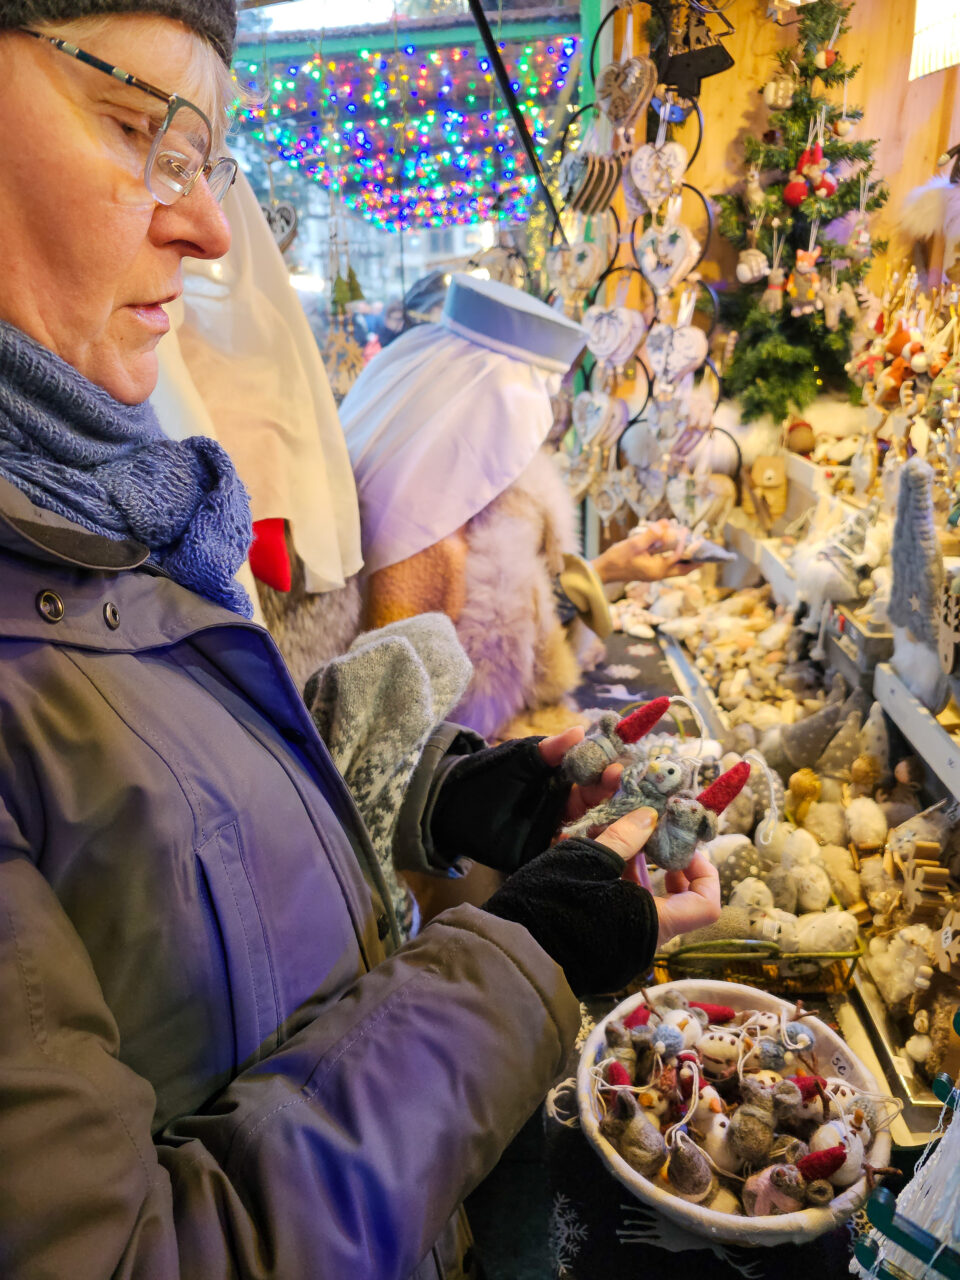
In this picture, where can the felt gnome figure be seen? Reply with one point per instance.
(689, 1172)
(833, 767)
(609, 741)
(915, 597)
(642, 785)
(788, 748)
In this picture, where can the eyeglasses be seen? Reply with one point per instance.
(179, 147)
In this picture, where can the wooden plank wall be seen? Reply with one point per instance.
(914, 122)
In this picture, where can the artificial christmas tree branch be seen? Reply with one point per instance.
(806, 173)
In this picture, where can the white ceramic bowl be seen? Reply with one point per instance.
(834, 1058)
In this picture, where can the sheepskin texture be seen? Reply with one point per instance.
(310, 630)
(509, 624)
(931, 210)
(432, 581)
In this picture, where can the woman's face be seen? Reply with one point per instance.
(87, 257)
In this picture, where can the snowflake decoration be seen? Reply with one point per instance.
(567, 1234)
(621, 671)
(642, 650)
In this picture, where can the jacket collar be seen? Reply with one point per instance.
(28, 530)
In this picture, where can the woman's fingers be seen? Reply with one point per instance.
(552, 750)
(627, 836)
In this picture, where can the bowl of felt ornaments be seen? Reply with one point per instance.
(736, 1114)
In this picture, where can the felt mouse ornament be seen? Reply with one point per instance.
(643, 785)
(636, 1139)
(753, 1123)
(620, 1047)
(686, 821)
(780, 1188)
(608, 741)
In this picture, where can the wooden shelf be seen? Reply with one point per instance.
(939, 751)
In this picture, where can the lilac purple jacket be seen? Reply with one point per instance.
(213, 1061)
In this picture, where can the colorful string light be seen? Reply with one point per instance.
(409, 138)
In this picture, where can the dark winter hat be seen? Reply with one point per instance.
(214, 19)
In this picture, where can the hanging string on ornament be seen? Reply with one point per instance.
(823, 182)
(752, 264)
(843, 126)
(859, 246)
(826, 55)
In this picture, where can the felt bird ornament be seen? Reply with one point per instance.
(608, 740)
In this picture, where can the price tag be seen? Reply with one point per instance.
(840, 1065)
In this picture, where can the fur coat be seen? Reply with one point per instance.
(495, 579)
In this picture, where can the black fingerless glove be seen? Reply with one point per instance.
(501, 806)
(601, 930)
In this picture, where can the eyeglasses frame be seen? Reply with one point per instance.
(174, 102)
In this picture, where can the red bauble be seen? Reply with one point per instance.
(795, 192)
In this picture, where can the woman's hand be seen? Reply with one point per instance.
(649, 555)
(693, 895)
(552, 751)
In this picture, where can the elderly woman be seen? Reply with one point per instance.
(209, 1064)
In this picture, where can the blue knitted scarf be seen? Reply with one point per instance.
(73, 449)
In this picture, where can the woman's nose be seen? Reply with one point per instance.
(195, 220)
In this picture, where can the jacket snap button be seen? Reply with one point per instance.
(383, 926)
(50, 606)
(111, 615)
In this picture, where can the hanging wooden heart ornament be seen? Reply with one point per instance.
(282, 221)
(665, 255)
(690, 498)
(644, 491)
(674, 352)
(624, 90)
(613, 333)
(592, 411)
(656, 171)
(582, 473)
(574, 268)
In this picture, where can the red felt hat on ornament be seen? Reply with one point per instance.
(726, 788)
(639, 723)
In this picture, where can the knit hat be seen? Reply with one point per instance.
(215, 20)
